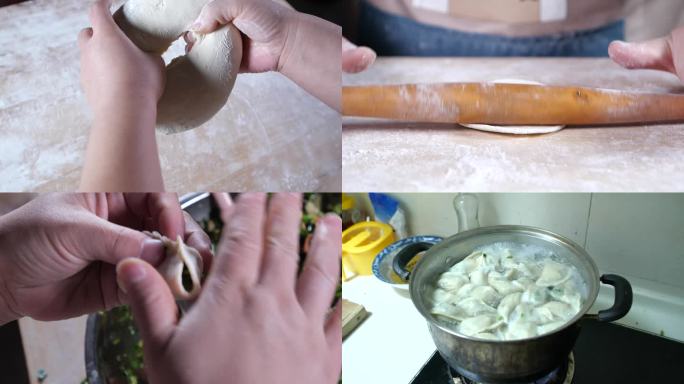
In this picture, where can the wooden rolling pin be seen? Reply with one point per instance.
(509, 104)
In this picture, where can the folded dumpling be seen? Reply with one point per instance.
(440, 296)
(554, 273)
(520, 330)
(473, 306)
(535, 295)
(486, 294)
(478, 277)
(568, 294)
(179, 258)
(478, 324)
(451, 281)
(469, 264)
(554, 311)
(507, 304)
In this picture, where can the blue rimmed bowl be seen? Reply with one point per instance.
(382, 264)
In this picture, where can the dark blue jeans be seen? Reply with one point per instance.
(392, 35)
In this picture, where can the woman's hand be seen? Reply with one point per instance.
(113, 69)
(58, 253)
(302, 47)
(664, 54)
(254, 317)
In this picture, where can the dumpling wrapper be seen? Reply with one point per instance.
(180, 256)
(516, 129)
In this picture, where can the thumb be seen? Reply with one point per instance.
(150, 298)
(652, 54)
(356, 59)
(212, 16)
(105, 241)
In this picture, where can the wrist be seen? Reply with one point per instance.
(138, 103)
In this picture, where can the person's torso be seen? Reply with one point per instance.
(509, 17)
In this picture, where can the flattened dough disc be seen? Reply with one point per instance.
(516, 129)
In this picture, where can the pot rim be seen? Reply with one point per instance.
(566, 242)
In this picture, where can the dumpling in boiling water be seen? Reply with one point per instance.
(440, 295)
(465, 290)
(469, 264)
(568, 294)
(451, 281)
(486, 294)
(449, 311)
(535, 295)
(554, 311)
(479, 324)
(507, 304)
(478, 277)
(520, 330)
(554, 273)
(504, 286)
(473, 307)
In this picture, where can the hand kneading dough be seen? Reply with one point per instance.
(178, 257)
(516, 129)
(197, 84)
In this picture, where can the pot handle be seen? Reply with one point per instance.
(623, 298)
(405, 255)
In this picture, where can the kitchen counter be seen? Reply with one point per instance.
(271, 135)
(396, 156)
(56, 347)
(392, 344)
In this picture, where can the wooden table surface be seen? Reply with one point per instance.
(271, 135)
(391, 156)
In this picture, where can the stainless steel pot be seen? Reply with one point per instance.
(518, 360)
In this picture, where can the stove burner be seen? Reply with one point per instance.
(561, 375)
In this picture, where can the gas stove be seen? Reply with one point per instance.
(604, 353)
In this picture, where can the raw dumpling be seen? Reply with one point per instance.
(553, 274)
(180, 257)
(479, 324)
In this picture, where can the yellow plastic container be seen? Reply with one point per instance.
(360, 244)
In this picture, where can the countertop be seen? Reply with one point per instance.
(395, 156)
(271, 135)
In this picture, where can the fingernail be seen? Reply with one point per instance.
(152, 251)
(132, 270)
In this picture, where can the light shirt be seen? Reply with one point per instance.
(509, 17)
